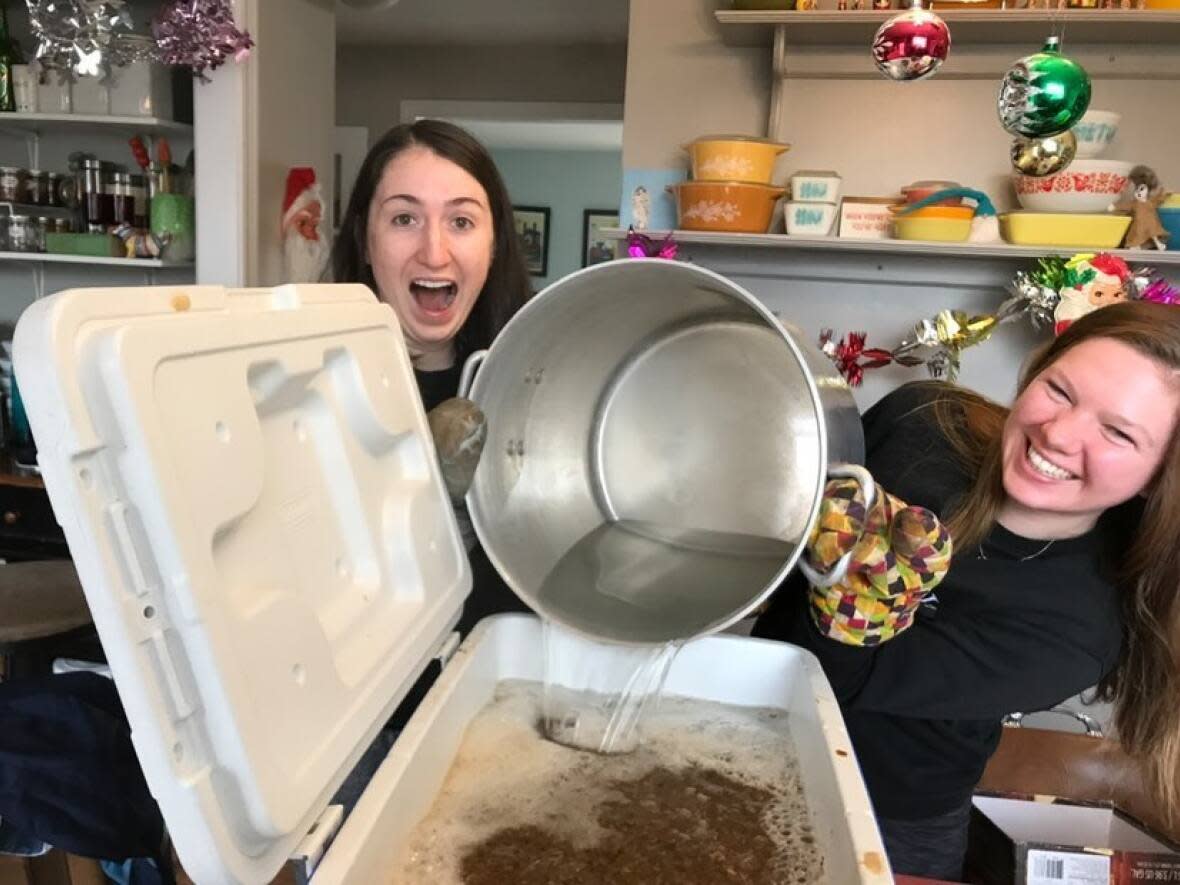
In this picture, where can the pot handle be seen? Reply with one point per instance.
(467, 376)
(840, 569)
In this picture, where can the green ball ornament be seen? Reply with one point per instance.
(1044, 93)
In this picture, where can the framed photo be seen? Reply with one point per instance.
(595, 247)
(532, 226)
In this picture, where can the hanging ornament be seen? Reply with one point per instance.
(1039, 157)
(75, 36)
(199, 34)
(911, 45)
(1044, 93)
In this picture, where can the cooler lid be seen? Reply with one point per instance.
(248, 486)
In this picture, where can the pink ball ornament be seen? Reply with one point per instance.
(912, 45)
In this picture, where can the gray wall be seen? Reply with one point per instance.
(372, 82)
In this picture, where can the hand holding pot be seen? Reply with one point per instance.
(871, 560)
(459, 429)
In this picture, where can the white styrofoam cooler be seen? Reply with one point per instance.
(249, 490)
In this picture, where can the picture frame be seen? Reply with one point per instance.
(595, 247)
(532, 227)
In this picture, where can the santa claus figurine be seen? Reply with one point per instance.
(1094, 281)
(305, 251)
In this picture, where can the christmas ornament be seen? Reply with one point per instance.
(1039, 157)
(75, 36)
(199, 34)
(911, 45)
(642, 246)
(1044, 93)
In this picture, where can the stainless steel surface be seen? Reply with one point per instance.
(657, 447)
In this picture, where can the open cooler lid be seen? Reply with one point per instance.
(249, 490)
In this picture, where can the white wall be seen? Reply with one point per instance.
(255, 121)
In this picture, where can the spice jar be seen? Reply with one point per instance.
(37, 188)
(97, 203)
(139, 197)
(21, 235)
(12, 184)
(42, 227)
(122, 199)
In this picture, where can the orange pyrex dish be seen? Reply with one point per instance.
(731, 206)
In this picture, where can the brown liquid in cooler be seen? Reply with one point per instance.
(712, 797)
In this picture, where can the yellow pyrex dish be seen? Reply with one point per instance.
(942, 230)
(1084, 231)
(734, 158)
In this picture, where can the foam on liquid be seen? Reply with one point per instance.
(505, 774)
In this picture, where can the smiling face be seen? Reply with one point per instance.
(429, 241)
(1076, 444)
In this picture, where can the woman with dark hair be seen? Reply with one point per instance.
(1065, 515)
(429, 228)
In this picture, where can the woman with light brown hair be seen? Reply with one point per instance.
(1065, 516)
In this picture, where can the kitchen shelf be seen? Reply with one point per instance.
(900, 247)
(819, 27)
(50, 258)
(39, 124)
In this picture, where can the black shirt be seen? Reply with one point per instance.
(1014, 628)
(489, 594)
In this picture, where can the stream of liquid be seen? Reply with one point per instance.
(649, 587)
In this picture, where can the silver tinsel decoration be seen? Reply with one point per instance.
(78, 37)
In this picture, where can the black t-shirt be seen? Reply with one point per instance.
(489, 594)
(1014, 628)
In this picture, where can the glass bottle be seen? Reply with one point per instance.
(10, 55)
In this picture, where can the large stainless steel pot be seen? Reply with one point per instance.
(657, 447)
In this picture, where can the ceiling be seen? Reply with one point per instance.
(481, 22)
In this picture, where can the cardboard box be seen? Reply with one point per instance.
(867, 218)
(1042, 840)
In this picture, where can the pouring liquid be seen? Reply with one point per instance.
(653, 587)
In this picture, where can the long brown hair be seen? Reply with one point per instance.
(1145, 684)
(508, 285)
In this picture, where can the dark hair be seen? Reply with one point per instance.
(507, 286)
(1146, 682)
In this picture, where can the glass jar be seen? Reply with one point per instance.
(65, 190)
(97, 203)
(122, 198)
(21, 234)
(139, 195)
(42, 228)
(12, 184)
(37, 188)
(61, 225)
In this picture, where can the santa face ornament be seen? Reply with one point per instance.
(429, 242)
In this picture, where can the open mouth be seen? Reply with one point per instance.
(1045, 467)
(434, 296)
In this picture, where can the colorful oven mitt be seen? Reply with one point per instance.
(899, 553)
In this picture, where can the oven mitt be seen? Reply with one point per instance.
(459, 429)
(900, 553)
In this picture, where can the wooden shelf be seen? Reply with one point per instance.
(50, 258)
(818, 27)
(38, 124)
(901, 247)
